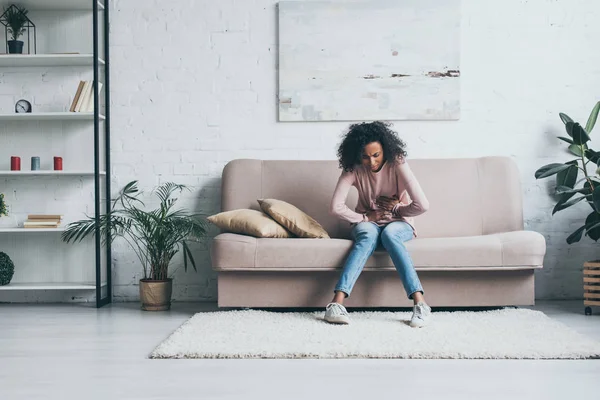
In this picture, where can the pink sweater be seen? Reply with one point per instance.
(394, 178)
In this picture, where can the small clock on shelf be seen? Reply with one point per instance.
(23, 106)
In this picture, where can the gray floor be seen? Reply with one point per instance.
(73, 351)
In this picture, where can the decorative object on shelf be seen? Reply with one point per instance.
(23, 106)
(3, 208)
(155, 236)
(17, 23)
(567, 175)
(15, 163)
(35, 163)
(58, 163)
(7, 269)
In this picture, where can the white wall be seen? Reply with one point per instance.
(194, 86)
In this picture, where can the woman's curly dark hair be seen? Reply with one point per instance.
(359, 135)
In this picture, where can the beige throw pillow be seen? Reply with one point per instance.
(293, 219)
(249, 222)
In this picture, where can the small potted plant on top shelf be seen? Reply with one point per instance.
(16, 22)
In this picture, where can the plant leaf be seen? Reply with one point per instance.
(562, 189)
(592, 226)
(568, 177)
(565, 118)
(562, 205)
(188, 253)
(580, 136)
(592, 118)
(593, 156)
(567, 190)
(576, 149)
(550, 169)
(569, 127)
(564, 139)
(575, 236)
(596, 198)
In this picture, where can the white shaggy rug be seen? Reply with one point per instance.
(506, 333)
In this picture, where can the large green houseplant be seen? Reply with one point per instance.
(155, 236)
(569, 188)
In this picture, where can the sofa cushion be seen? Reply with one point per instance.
(519, 249)
(293, 219)
(249, 222)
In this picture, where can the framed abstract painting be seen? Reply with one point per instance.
(369, 60)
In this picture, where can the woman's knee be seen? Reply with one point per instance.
(396, 232)
(365, 232)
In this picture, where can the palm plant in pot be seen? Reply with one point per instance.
(155, 236)
(15, 19)
(569, 188)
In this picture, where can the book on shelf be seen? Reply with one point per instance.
(42, 221)
(28, 224)
(45, 216)
(83, 101)
(77, 94)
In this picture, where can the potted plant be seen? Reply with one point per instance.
(570, 192)
(155, 236)
(4, 222)
(15, 19)
(569, 188)
(7, 269)
(3, 208)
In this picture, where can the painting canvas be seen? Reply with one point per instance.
(369, 60)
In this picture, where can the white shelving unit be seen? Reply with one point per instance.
(43, 262)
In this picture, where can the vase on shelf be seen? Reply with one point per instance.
(15, 47)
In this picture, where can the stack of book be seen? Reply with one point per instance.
(42, 221)
(83, 101)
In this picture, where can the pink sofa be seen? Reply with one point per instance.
(472, 249)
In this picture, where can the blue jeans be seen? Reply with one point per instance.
(367, 235)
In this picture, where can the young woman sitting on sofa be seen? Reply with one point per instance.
(373, 159)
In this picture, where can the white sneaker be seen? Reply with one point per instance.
(421, 315)
(336, 313)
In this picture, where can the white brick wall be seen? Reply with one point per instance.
(194, 86)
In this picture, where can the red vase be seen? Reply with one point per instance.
(58, 164)
(15, 163)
